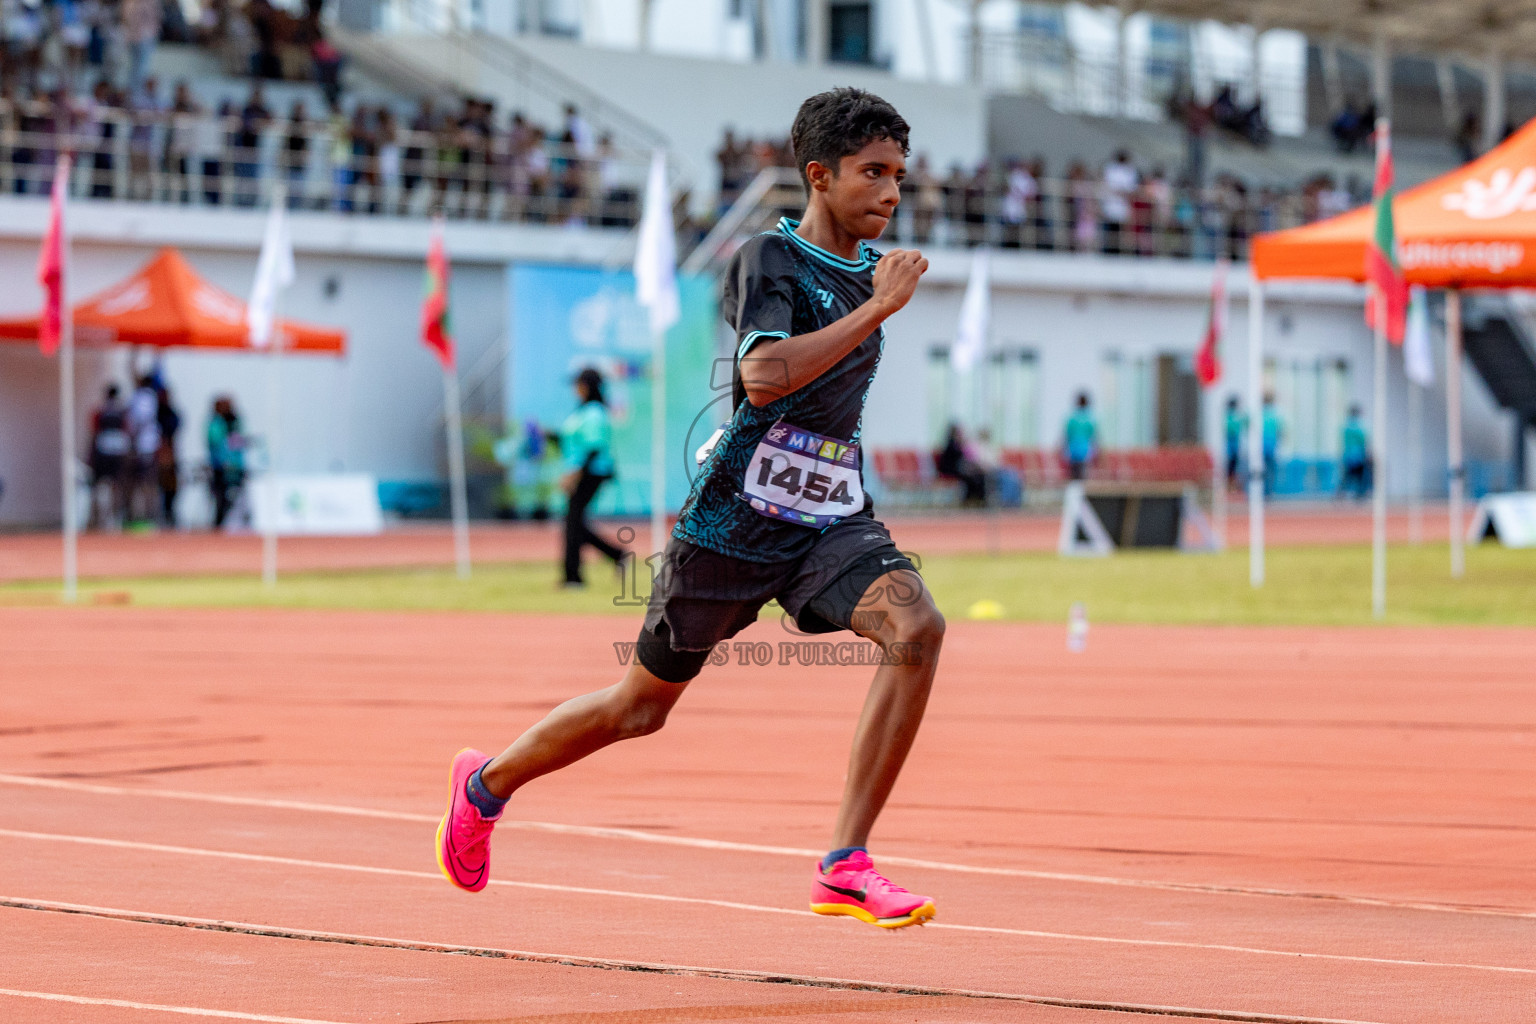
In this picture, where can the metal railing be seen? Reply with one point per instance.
(1047, 215)
(208, 160)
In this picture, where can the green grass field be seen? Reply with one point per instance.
(1306, 586)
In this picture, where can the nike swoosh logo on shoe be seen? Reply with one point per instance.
(858, 894)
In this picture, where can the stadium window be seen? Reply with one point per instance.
(940, 382)
(1333, 403)
(1178, 399)
(852, 33)
(1127, 403)
(1015, 418)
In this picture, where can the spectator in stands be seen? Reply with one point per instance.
(954, 198)
(1234, 429)
(1195, 118)
(181, 140)
(263, 18)
(1274, 431)
(1352, 125)
(1332, 200)
(1021, 192)
(226, 458)
(729, 157)
(1038, 213)
(927, 199)
(1081, 210)
(294, 154)
(146, 110)
(586, 441)
(1080, 441)
(976, 189)
(213, 143)
(362, 158)
(111, 448)
(387, 157)
(1119, 184)
(341, 159)
(254, 119)
(1356, 457)
(141, 31)
(103, 118)
(582, 139)
(958, 460)
(1156, 198)
(1469, 136)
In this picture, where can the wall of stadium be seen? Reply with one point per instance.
(378, 410)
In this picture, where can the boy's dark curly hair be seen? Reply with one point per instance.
(839, 123)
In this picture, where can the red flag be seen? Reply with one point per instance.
(1381, 269)
(1208, 359)
(50, 264)
(434, 307)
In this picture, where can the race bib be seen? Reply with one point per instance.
(804, 478)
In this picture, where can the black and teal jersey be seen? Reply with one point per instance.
(778, 285)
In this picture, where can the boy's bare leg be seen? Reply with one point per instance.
(635, 706)
(899, 615)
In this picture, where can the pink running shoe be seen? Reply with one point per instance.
(853, 887)
(464, 836)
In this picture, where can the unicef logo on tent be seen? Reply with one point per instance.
(1505, 193)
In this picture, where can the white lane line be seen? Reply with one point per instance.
(637, 835)
(606, 963)
(262, 858)
(187, 1011)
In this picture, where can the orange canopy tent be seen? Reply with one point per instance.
(1474, 227)
(165, 304)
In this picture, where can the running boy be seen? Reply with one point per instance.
(778, 511)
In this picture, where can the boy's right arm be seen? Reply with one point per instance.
(776, 367)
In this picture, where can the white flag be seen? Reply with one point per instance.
(1418, 360)
(975, 315)
(274, 272)
(656, 253)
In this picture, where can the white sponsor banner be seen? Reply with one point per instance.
(320, 504)
(1512, 516)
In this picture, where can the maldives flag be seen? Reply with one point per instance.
(1208, 359)
(434, 307)
(1381, 270)
(50, 263)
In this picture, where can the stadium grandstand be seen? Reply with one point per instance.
(1105, 157)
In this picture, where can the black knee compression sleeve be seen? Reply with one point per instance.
(654, 650)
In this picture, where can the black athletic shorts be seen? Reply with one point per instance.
(702, 597)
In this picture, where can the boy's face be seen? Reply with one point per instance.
(863, 193)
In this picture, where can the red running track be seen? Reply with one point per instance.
(37, 556)
(231, 813)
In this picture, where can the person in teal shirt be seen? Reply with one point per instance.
(586, 452)
(1274, 430)
(1235, 428)
(1081, 442)
(1356, 456)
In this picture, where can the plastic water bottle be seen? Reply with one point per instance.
(1077, 628)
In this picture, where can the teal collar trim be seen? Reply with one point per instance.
(864, 262)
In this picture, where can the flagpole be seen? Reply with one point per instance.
(1379, 461)
(1416, 464)
(1458, 474)
(1255, 431)
(274, 500)
(458, 489)
(67, 438)
(658, 441)
(1218, 468)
